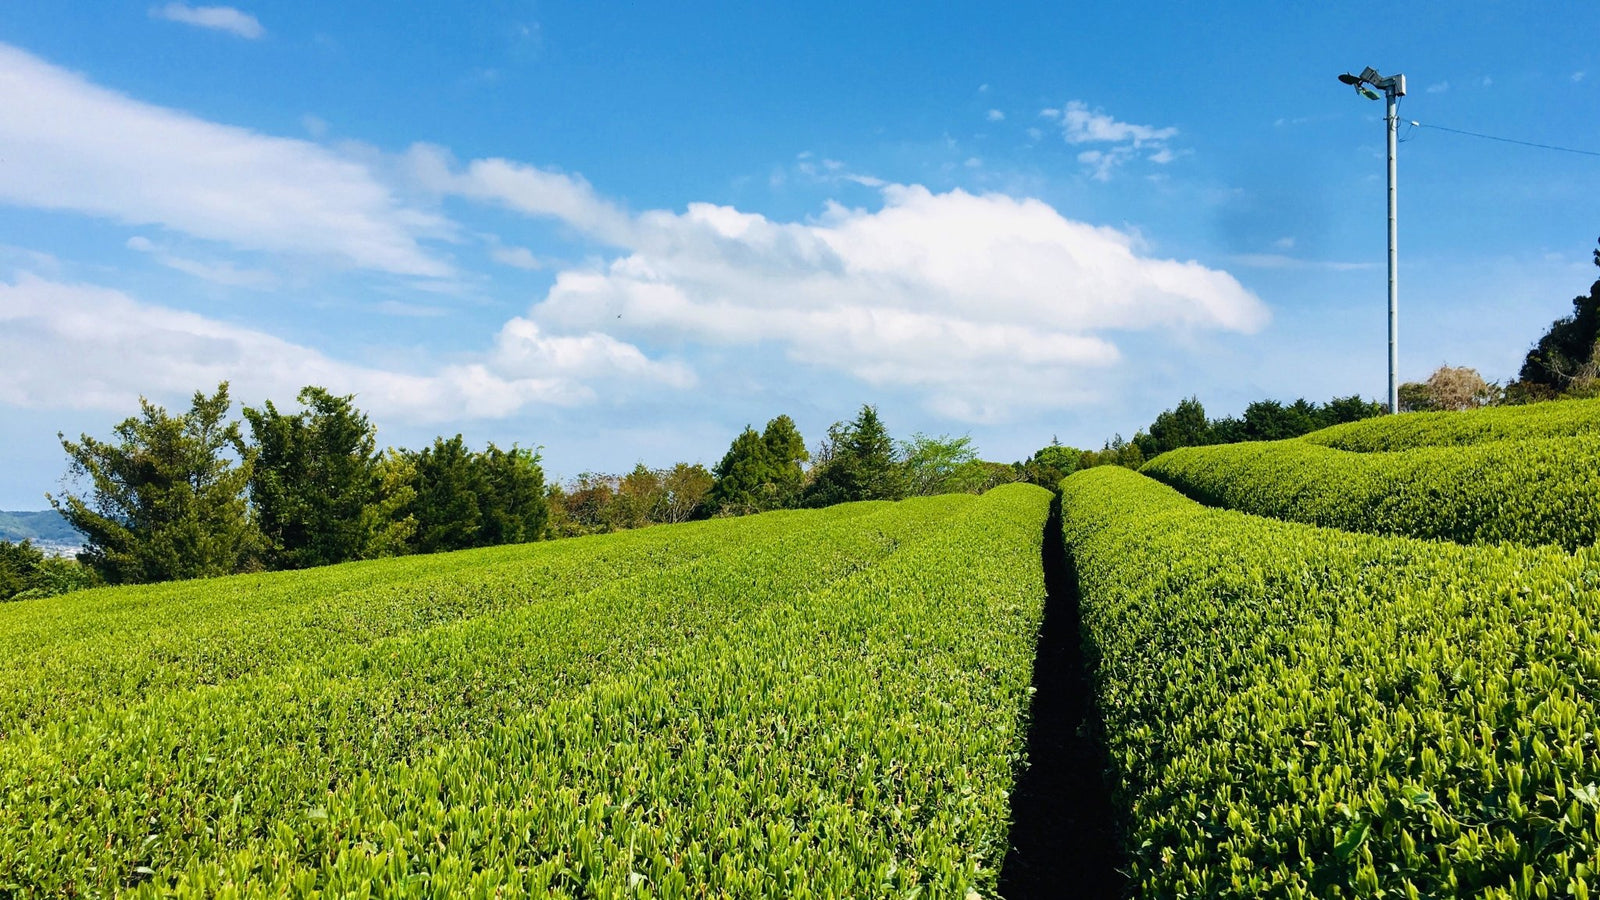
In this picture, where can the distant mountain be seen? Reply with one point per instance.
(46, 528)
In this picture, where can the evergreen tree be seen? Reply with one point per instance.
(1568, 355)
(786, 453)
(1185, 426)
(511, 504)
(315, 475)
(447, 507)
(860, 464)
(742, 476)
(165, 501)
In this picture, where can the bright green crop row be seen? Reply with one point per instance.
(1293, 711)
(831, 710)
(1563, 418)
(102, 646)
(1527, 492)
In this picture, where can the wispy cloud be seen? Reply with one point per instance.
(223, 273)
(108, 335)
(995, 115)
(1283, 261)
(1121, 141)
(1578, 76)
(1438, 87)
(218, 18)
(71, 145)
(516, 257)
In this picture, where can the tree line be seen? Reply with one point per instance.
(773, 469)
(196, 494)
(1563, 364)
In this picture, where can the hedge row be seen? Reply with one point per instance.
(99, 647)
(1407, 431)
(831, 712)
(1293, 711)
(1528, 492)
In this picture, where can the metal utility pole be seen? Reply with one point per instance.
(1393, 87)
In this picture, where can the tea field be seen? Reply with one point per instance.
(798, 704)
(1362, 663)
(1303, 711)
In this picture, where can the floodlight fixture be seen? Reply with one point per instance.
(1393, 87)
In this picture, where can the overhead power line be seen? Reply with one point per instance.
(1506, 140)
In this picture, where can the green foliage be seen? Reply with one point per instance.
(1048, 465)
(760, 471)
(165, 501)
(804, 703)
(1529, 492)
(18, 562)
(858, 463)
(1115, 452)
(1457, 429)
(511, 506)
(1185, 426)
(1567, 356)
(1302, 712)
(786, 455)
(315, 475)
(1269, 420)
(744, 478)
(446, 506)
(464, 499)
(938, 465)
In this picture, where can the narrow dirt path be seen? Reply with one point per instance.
(1063, 841)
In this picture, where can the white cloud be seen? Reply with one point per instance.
(1284, 243)
(1121, 141)
(516, 257)
(219, 18)
(1486, 81)
(526, 189)
(1578, 76)
(88, 347)
(996, 115)
(1085, 126)
(971, 300)
(223, 273)
(70, 145)
(1282, 261)
(1439, 87)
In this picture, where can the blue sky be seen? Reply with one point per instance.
(622, 232)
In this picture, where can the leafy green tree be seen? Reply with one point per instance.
(391, 523)
(511, 500)
(683, 489)
(446, 506)
(786, 457)
(1048, 465)
(165, 501)
(1340, 410)
(1115, 452)
(18, 563)
(860, 464)
(938, 465)
(742, 477)
(315, 475)
(1567, 356)
(26, 572)
(1184, 426)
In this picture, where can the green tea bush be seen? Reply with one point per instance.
(1527, 492)
(1563, 418)
(1294, 711)
(831, 710)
